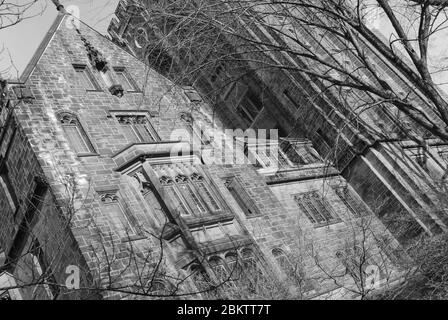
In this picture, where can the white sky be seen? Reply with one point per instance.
(23, 39)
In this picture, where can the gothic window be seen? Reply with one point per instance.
(75, 134)
(248, 109)
(282, 260)
(199, 277)
(243, 199)
(253, 275)
(219, 268)
(248, 259)
(234, 268)
(117, 214)
(174, 194)
(6, 187)
(190, 194)
(231, 259)
(136, 127)
(144, 186)
(351, 201)
(205, 191)
(85, 77)
(316, 208)
(125, 79)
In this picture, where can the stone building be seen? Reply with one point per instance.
(390, 171)
(107, 167)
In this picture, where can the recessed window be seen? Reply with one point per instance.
(191, 195)
(352, 202)
(316, 208)
(136, 127)
(125, 79)
(75, 134)
(241, 196)
(117, 214)
(249, 109)
(85, 77)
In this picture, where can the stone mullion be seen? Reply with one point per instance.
(184, 229)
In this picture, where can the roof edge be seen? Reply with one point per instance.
(40, 50)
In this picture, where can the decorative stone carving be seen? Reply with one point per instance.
(108, 197)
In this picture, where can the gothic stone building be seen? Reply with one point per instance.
(89, 179)
(389, 171)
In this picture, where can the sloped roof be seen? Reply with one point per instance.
(41, 49)
(46, 41)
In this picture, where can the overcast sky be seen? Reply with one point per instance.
(23, 39)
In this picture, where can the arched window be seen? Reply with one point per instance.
(284, 262)
(121, 220)
(199, 277)
(75, 134)
(205, 191)
(232, 264)
(178, 202)
(218, 266)
(159, 289)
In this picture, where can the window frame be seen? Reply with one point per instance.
(95, 87)
(85, 138)
(236, 196)
(187, 189)
(132, 231)
(358, 204)
(129, 79)
(310, 212)
(115, 114)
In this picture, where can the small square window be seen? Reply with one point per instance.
(125, 79)
(85, 77)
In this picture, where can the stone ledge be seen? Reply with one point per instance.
(161, 149)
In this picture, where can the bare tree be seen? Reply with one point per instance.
(328, 41)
